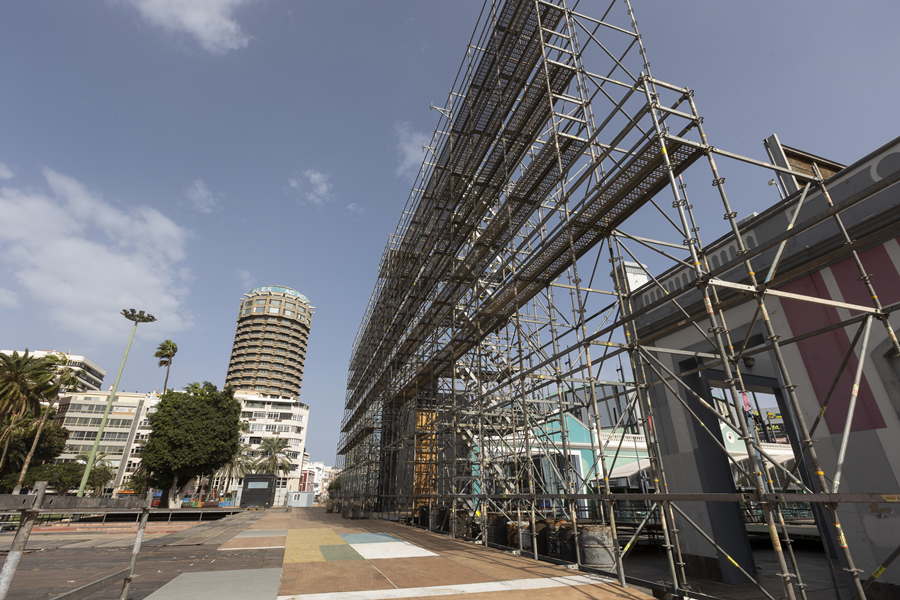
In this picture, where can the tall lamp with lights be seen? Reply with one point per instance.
(136, 317)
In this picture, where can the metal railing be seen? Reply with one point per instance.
(30, 507)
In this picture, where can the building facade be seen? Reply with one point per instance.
(275, 417)
(269, 348)
(266, 371)
(126, 427)
(89, 375)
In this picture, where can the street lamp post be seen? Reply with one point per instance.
(136, 317)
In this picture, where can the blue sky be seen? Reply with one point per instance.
(169, 156)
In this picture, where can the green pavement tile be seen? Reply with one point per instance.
(340, 552)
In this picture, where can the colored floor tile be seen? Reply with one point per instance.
(341, 552)
(331, 577)
(390, 550)
(315, 536)
(369, 538)
(253, 584)
(249, 543)
(426, 571)
(262, 533)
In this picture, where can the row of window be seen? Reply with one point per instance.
(95, 422)
(276, 302)
(271, 415)
(80, 365)
(271, 388)
(108, 436)
(94, 408)
(108, 450)
(273, 310)
(276, 428)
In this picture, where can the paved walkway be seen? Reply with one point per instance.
(303, 554)
(330, 558)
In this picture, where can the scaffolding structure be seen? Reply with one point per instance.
(515, 296)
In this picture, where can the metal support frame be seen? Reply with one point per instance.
(485, 357)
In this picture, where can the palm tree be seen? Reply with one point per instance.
(165, 353)
(13, 427)
(100, 459)
(139, 481)
(273, 457)
(239, 465)
(53, 378)
(24, 381)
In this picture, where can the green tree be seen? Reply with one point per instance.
(192, 433)
(139, 481)
(99, 460)
(14, 426)
(24, 381)
(51, 443)
(64, 477)
(273, 457)
(237, 466)
(61, 379)
(165, 353)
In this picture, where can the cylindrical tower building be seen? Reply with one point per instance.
(270, 344)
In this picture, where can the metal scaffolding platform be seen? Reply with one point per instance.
(482, 395)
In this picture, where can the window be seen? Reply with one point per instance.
(261, 302)
(273, 415)
(257, 427)
(259, 415)
(281, 483)
(246, 304)
(246, 311)
(257, 485)
(298, 418)
(290, 305)
(288, 313)
(259, 309)
(274, 302)
(298, 430)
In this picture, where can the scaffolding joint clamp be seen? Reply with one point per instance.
(730, 215)
(718, 181)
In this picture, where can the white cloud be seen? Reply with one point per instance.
(5, 172)
(355, 210)
(245, 278)
(409, 148)
(202, 200)
(318, 189)
(8, 298)
(83, 260)
(210, 22)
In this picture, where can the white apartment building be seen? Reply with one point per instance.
(271, 416)
(81, 414)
